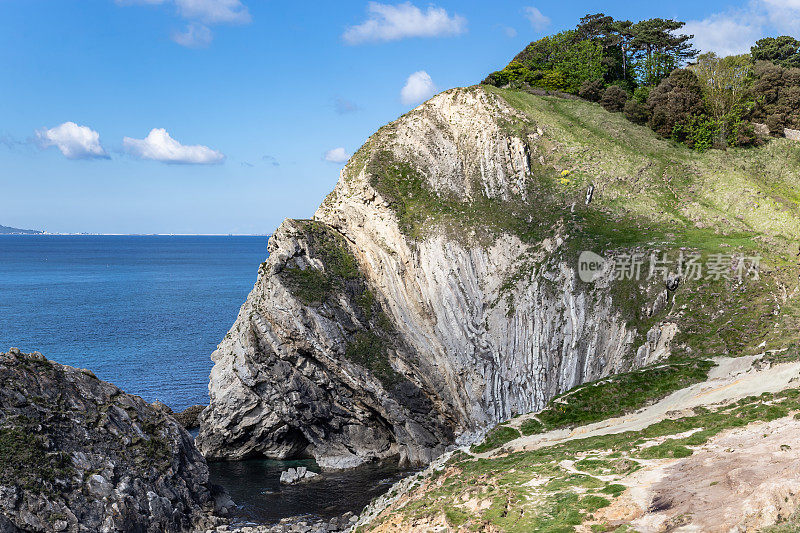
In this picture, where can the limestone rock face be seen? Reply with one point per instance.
(374, 332)
(78, 454)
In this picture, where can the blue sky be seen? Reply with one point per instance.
(216, 116)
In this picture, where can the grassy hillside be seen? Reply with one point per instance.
(654, 194)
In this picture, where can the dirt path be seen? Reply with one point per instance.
(741, 480)
(730, 380)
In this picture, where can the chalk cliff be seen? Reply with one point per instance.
(433, 295)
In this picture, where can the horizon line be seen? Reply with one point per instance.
(47, 233)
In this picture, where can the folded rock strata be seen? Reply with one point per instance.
(374, 331)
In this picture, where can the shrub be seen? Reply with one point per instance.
(531, 427)
(697, 132)
(592, 90)
(640, 94)
(676, 99)
(614, 98)
(777, 96)
(514, 72)
(740, 132)
(636, 111)
(495, 438)
(775, 123)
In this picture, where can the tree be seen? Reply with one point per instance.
(725, 83)
(614, 36)
(783, 51)
(675, 101)
(561, 61)
(658, 50)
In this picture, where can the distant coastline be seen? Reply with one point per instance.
(8, 230)
(17, 232)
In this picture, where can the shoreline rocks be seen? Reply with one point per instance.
(296, 524)
(78, 454)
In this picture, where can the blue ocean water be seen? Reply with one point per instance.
(143, 312)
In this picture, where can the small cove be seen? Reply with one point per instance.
(255, 487)
(145, 313)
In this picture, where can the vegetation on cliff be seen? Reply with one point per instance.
(340, 278)
(650, 72)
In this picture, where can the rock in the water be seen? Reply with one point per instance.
(189, 418)
(78, 454)
(295, 475)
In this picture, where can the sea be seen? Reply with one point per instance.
(145, 313)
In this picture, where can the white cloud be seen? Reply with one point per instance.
(736, 30)
(200, 14)
(538, 21)
(336, 155)
(392, 22)
(159, 146)
(510, 32)
(214, 11)
(195, 36)
(784, 15)
(75, 142)
(725, 33)
(419, 86)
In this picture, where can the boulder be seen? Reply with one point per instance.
(761, 129)
(296, 475)
(792, 135)
(189, 418)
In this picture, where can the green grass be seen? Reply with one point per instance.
(422, 211)
(531, 426)
(619, 394)
(313, 286)
(370, 351)
(497, 437)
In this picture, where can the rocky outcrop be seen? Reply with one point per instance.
(433, 295)
(189, 418)
(78, 454)
(296, 475)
